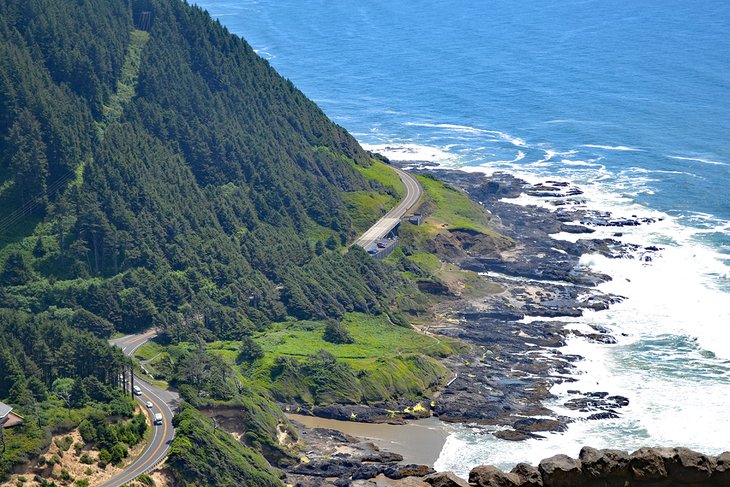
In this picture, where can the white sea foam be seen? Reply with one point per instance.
(411, 152)
(621, 148)
(700, 159)
(673, 362)
(520, 155)
(265, 53)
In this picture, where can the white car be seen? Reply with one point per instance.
(148, 404)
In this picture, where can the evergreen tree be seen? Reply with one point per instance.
(26, 153)
(16, 270)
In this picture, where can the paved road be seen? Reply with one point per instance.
(165, 401)
(383, 226)
(162, 402)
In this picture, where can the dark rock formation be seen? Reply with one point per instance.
(490, 476)
(444, 479)
(646, 467)
(561, 471)
(529, 476)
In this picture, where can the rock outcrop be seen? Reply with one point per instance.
(646, 467)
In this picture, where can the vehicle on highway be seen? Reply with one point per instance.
(137, 391)
(148, 404)
(158, 418)
(381, 245)
(372, 251)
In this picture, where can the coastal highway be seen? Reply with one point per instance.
(383, 226)
(163, 402)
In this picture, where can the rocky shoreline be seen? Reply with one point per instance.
(516, 331)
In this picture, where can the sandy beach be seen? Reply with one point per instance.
(419, 441)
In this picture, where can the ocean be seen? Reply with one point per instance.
(629, 100)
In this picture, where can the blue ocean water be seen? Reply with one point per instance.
(631, 100)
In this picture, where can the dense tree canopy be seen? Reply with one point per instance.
(154, 171)
(213, 198)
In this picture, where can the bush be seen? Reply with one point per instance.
(249, 351)
(104, 458)
(64, 444)
(86, 459)
(82, 483)
(119, 452)
(87, 431)
(145, 479)
(334, 332)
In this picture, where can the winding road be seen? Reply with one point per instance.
(163, 402)
(391, 219)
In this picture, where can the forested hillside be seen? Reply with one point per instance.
(154, 171)
(169, 176)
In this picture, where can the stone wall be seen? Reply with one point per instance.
(646, 467)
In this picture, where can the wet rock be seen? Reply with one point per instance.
(538, 424)
(402, 471)
(619, 401)
(604, 415)
(593, 402)
(600, 338)
(369, 471)
(575, 228)
(604, 464)
(491, 476)
(647, 464)
(528, 474)
(329, 467)
(688, 466)
(445, 479)
(721, 475)
(364, 472)
(382, 457)
(515, 435)
(561, 471)
(309, 482)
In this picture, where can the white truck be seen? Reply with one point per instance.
(137, 391)
(158, 418)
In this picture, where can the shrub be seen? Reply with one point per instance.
(104, 458)
(119, 452)
(87, 430)
(334, 332)
(249, 351)
(145, 479)
(64, 444)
